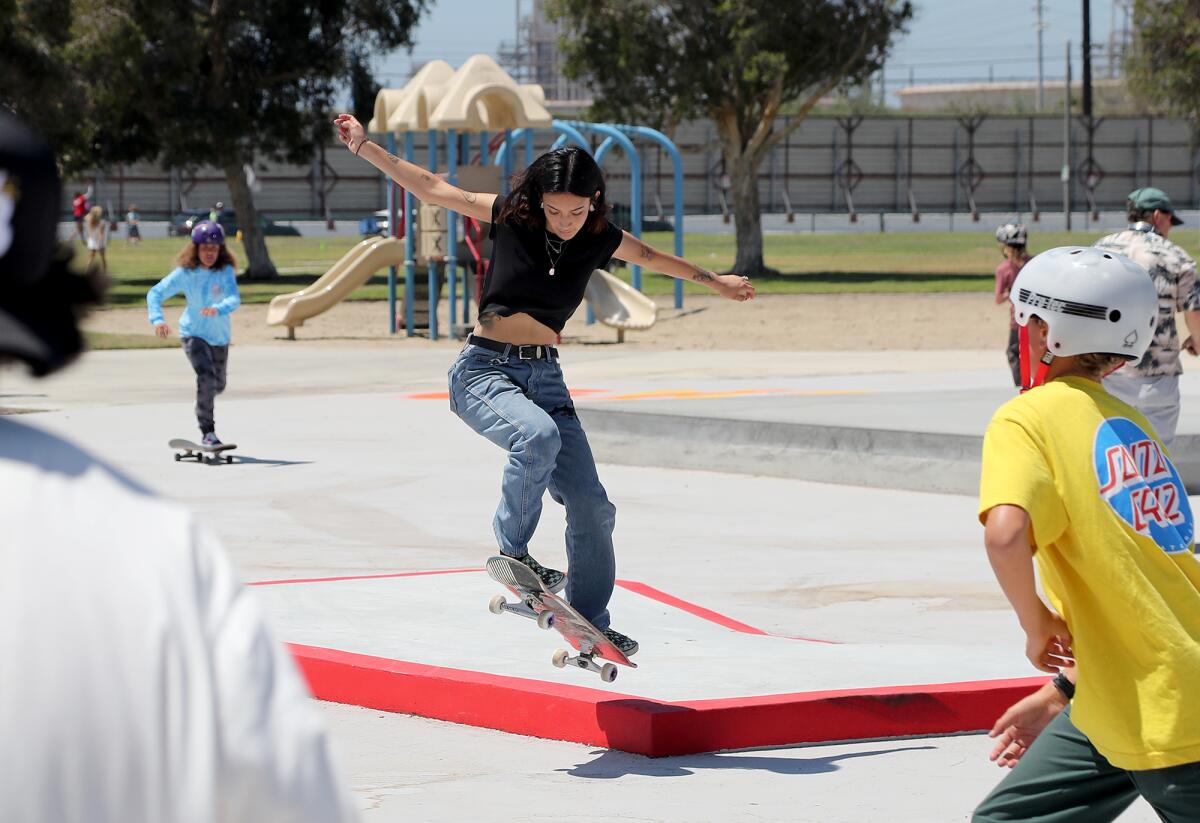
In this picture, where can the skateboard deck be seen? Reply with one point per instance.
(551, 611)
(198, 451)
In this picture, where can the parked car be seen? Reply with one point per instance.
(377, 223)
(182, 224)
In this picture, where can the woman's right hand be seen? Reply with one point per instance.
(350, 131)
(162, 329)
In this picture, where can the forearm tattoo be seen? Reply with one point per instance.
(703, 275)
(469, 196)
(645, 252)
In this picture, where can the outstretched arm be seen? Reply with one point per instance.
(732, 286)
(422, 183)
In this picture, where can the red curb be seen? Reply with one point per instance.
(650, 727)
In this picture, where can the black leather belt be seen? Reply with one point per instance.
(524, 352)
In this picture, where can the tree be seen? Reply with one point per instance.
(220, 82)
(733, 61)
(1163, 65)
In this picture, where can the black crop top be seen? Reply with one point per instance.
(518, 278)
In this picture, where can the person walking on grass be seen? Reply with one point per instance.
(1012, 238)
(95, 232)
(1078, 482)
(204, 273)
(548, 236)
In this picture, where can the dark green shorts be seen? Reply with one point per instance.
(1063, 779)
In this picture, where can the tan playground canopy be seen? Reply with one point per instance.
(479, 96)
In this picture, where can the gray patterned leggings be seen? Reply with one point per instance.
(209, 363)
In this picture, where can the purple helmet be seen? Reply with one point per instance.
(206, 231)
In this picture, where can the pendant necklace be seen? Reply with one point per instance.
(554, 251)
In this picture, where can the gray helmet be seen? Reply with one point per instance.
(1012, 234)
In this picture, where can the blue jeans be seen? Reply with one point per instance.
(524, 408)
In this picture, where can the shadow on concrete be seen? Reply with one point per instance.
(613, 764)
(262, 461)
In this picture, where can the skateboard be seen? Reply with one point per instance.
(552, 612)
(198, 451)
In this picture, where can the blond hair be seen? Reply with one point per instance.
(93, 217)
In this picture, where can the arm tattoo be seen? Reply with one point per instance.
(645, 252)
(703, 276)
(393, 159)
(425, 178)
(469, 196)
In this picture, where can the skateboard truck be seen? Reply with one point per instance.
(583, 660)
(499, 605)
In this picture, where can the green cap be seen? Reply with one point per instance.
(1148, 199)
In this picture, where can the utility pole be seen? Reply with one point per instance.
(1066, 167)
(1087, 59)
(1040, 27)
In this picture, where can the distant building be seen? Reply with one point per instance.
(535, 58)
(1013, 97)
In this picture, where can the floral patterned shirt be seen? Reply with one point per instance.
(1174, 275)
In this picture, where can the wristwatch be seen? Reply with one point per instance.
(1064, 685)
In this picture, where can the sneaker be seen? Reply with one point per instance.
(627, 645)
(552, 579)
(211, 439)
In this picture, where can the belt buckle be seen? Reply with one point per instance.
(521, 352)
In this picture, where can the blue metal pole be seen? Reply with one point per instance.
(452, 229)
(393, 227)
(410, 279)
(433, 326)
(677, 165)
(529, 147)
(505, 184)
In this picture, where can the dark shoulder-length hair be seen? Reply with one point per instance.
(189, 257)
(569, 170)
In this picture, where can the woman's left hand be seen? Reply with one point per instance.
(735, 287)
(208, 311)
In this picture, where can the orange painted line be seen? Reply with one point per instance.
(445, 395)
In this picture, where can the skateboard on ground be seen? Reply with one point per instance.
(201, 453)
(552, 612)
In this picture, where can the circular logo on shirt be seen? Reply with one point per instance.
(1142, 486)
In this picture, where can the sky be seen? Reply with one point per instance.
(948, 40)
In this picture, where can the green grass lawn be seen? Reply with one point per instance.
(808, 263)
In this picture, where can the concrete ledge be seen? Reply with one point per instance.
(648, 727)
(918, 461)
(846, 455)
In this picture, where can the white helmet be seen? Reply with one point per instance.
(1012, 234)
(1092, 300)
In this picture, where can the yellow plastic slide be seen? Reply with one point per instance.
(346, 275)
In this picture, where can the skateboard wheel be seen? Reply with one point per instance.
(545, 620)
(229, 458)
(560, 658)
(496, 606)
(608, 672)
(178, 456)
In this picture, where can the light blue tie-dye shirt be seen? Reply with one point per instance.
(203, 288)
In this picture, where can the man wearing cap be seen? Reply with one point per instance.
(1152, 385)
(140, 680)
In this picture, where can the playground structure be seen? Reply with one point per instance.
(478, 101)
(347, 274)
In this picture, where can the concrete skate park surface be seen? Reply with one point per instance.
(352, 467)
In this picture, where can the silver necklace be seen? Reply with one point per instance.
(554, 251)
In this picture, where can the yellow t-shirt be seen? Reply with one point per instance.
(1113, 531)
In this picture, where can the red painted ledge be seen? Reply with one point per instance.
(650, 727)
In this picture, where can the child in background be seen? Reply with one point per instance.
(95, 232)
(1078, 481)
(133, 234)
(205, 275)
(1012, 238)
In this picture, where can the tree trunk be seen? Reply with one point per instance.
(741, 163)
(258, 259)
